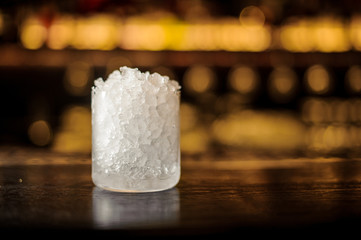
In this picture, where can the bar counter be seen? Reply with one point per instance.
(218, 194)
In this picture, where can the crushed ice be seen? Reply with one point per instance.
(136, 124)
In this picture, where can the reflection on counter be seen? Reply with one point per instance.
(115, 210)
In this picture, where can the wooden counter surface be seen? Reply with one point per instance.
(42, 191)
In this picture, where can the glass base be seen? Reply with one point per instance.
(116, 183)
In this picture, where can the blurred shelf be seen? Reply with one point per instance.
(13, 55)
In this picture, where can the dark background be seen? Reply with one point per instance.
(35, 82)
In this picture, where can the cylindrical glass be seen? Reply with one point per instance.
(135, 132)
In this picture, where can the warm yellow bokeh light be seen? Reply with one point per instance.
(40, 133)
(248, 32)
(251, 129)
(60, 33)
(335, 136)
(199, 79)
(282, 84)
(328, 138)
(143, 35)
(355, 136)
(318, 79)
(195, 141)
(252, 16)
(188, 116)
(77, 78)
(355, 110)
(106, 32)
(355, 32)
(194, 137)
(297, 37)
(152, 37)
(33, 34)
(233, 37)
(74, 134)
(340, 111)
(330, 35)
(324, 34)
(95, 32)
(316, 111)
(353, 79)
(243, 79)
(199, 36)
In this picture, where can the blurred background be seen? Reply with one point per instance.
(261, 76)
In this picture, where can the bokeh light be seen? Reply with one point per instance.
(355, 32)
(353, 79)
(95, 32)
(244, 80)
(296, 36)
(33, 33)
(355, 110)
(283, 84)
(195, 138)
(74, 134)
(328, 138)
(60, 33)
(341, 109)
(252, 16)
(40, 133)
(324, 34)
(139, 34)
(331, 35)
(318, 79)
(235, 70)
(77, 78)
(199, 79)
(316, 111)
(250, 129)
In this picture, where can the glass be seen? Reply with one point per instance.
(135, 133)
